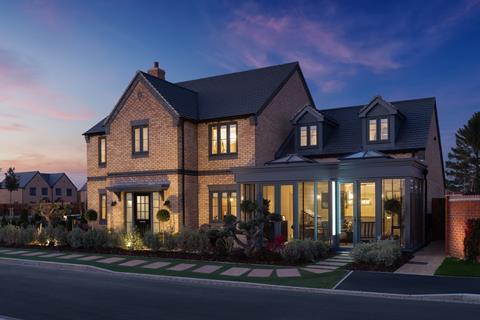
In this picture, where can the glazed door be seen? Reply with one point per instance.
(346, 214)
(366, 219)
(142, 212)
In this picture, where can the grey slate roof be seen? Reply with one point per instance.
(240, 93)
(223, 96)
(26, 177)
(346, 137)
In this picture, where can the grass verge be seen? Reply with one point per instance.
(307, 279)
(457, 267)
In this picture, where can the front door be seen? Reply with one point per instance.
(142, 212)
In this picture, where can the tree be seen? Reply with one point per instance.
(12, 183)
(463, 165)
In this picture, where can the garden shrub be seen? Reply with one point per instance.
(132, 240)
(193, 241)
(169, 240)
(91, 215)
(303, 251)
(75, 238)
(27, 235)
(382, 252)
(471, 242)
(152, 240)
(10, 235)
(41, 237)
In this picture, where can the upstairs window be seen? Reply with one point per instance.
(378, 129)
(69, 192)
(308, 136)
(223, 139)
(140, 140)
(102, 151)
(44, 192)
(58, 191)
(33, 192)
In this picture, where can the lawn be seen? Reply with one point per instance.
(457, 267)
(307, 279)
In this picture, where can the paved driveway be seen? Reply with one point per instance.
(409, 284)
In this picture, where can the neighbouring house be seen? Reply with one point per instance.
(36, 187)
(82, 197)
(200, 147)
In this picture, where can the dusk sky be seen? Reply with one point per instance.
(64, 64)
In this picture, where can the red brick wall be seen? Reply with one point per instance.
(459, 209)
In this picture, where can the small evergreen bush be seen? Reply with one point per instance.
(382, 252)
(152, 240)
(75, 238)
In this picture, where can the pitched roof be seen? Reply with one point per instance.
(223, 96)
(26, 177)
(291, 158)
(240, 93)
(52, 178)
(346, 138)
(23, 177)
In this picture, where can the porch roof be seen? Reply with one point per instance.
(136, 187)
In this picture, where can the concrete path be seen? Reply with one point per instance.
(425, 261)
(338, 261)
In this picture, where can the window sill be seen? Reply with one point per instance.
(140, 155)
(223, 156)
(102, 165)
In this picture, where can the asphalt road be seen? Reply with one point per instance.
(409, 284)
(38, 293)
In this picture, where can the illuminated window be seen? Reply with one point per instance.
(102, 150)
(269, 194)
(223, 139)
(103, 207)
(308, 136)
(221, 204)
(378, 129)
(384, 129)
(372, 130)
(140, 140)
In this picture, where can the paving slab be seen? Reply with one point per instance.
(17, 252)
(53, 255)
(316, 270)
(90, 258)
(209, 268)
(33, 254)
(288, 273)
(331, 263)
(182, 267)
(111, 260)
(426, 261)
(235, 271)
(156, 265)
(133, 263)
(317, 266)
(71, 256)
(260, 273)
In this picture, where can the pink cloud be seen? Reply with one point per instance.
(23, 89)
(330, 86)
(13, 127)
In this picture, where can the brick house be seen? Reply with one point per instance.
(35, 187)
(200, 147)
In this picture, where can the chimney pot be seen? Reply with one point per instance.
(156, 71)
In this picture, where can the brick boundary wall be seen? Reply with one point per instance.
(458, 210)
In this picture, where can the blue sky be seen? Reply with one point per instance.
(64, 64)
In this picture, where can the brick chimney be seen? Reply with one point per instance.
(156, 71)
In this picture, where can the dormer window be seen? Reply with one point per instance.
(378, 129)
(308, 136)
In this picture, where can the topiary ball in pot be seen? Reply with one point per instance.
(163, 215)
(229, 219)
(91, 215)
